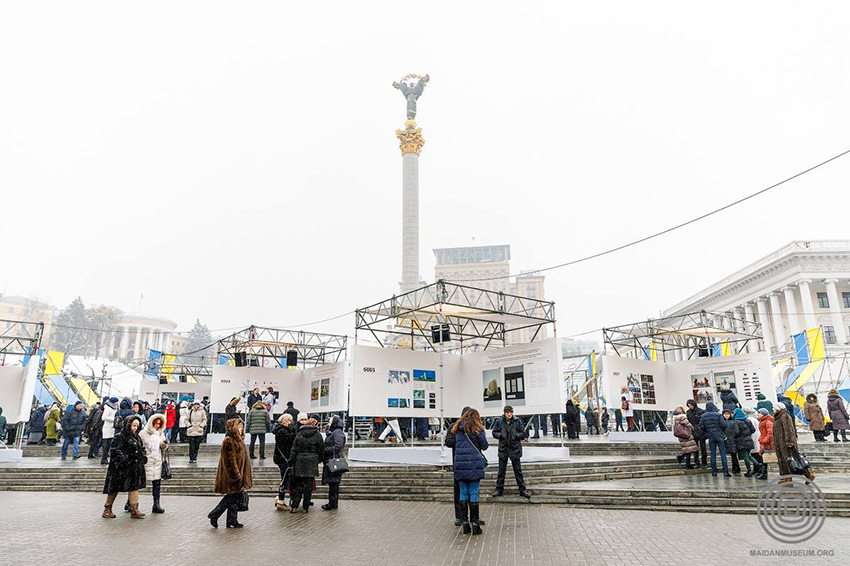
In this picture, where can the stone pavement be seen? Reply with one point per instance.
(828, 483)
(66, 528)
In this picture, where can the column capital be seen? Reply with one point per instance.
(787, 288)
(832, 281)
(773, 294)
(802, 282)
(410, 140)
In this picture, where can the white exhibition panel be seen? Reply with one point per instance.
(656, 385)
(528, 377)
(17, 386)
(443, 457)
(384, 382)
(326, 383)
(406, 383)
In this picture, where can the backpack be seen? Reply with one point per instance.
(118, 423)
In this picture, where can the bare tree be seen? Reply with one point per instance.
(101, 321)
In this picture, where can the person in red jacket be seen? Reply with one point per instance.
(765, 438)
(170, 418)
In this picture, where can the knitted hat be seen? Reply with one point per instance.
(508, 409)
(302, 417)
(763, 411)
(779, 406)
(113, 399)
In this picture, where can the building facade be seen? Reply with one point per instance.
(136, 333)
(17, 308)
(800, 286)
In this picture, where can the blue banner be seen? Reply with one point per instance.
(154, 365)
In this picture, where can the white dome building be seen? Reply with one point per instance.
(136, 333)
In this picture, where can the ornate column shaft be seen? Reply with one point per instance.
(791, 305)
(761, 305)
(807, 303)
(776, 316)
(835, 310)
(410, 143)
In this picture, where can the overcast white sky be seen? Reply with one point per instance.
(237, 162)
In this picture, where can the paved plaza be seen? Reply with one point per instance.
(66, 528)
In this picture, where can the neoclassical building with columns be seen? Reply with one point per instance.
(136, 333)
(802, 285)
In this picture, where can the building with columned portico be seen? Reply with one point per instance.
(802, 285)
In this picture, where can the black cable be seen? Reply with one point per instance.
(667, 231)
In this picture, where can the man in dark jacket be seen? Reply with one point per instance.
(73, 424)
(94, 426)
(573, 417)
(510, 433)
(253, 397)
(291, 410)
(36, 426)
(694, 413)
(450, 442)
(713, 427)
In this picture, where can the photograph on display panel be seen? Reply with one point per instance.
(703, 390)
(515, 385)
(633, 382)
(314, 393)
(325, 393)
(492, 381)
(726, 380)
(399, 389)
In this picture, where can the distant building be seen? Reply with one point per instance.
(489, 267)
(571, 348)
(17, 308)
(136, 333)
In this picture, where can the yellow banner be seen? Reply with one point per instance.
(53, 363)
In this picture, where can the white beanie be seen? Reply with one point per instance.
(780, 405)
(302, 417)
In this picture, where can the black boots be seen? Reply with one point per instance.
(464, 510)
(156, 507)
(476, 522)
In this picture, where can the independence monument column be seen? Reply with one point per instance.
(410, 142)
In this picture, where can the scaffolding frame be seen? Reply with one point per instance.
(477, 317)
(690, 334)
(20, 338)
(258, 342)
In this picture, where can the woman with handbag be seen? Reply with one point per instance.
(784, 440)
(284, 436)
(307, 450)
(469, 463)
(126, 470)
(334, 446)
(155, 443)
(233, 476)
(683, 430)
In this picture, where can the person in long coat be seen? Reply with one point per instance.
(307, 451)
(334, 446)
(52, 423)
(838, 415)
(784, 439)
(154, 441)
(694, 413)
(573, 420)
(36, 426)
(684, 431)
(284, 436)
(765, 439)
(814, 414)
(126, 470)
(234, 474)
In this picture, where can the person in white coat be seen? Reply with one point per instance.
(110, 407)
(153, 438)
(755, 453)
(184, 421)
(628, 411)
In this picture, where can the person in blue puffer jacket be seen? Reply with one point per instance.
(470, 443)
(714, 427)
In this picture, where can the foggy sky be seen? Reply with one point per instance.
(238, 162)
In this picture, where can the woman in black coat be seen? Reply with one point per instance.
(126, 470)
(307, 451)
(334, 446)
(284, 436)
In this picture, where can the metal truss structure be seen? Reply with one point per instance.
(20, 338)
(257, 342)
(478, 317)
(693, 335)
